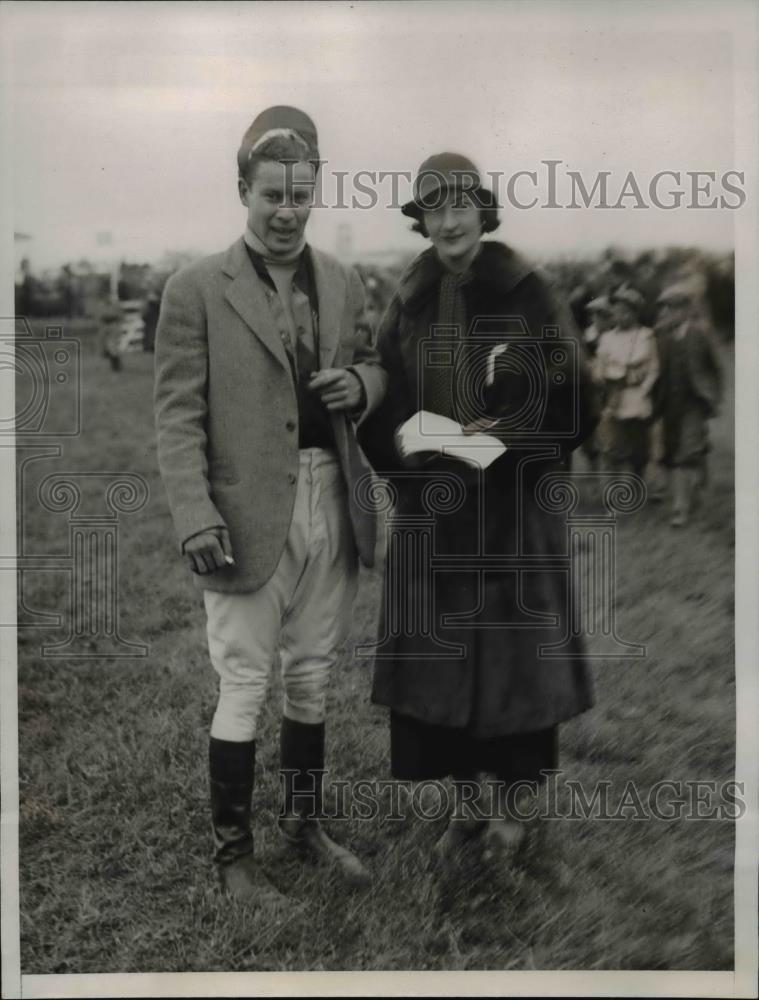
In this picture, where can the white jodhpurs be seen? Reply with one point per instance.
(302, 612)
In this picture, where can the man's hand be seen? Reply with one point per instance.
(208, 551)
(338, 388)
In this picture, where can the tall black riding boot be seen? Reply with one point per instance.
(302, 769)
(231, 771)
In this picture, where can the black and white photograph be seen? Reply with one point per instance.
(378, 531)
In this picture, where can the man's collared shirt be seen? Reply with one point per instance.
(296, 316)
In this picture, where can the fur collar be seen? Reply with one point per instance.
(496, 265)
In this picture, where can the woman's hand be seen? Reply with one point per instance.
(479, 426)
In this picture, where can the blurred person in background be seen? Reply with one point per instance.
(626, 367)
(578, 301)
(494, 708)
(599, 311)
(688, 393)
(110, 321)
(24, 289)
(150, 319)
(67, 287)
(264, 364)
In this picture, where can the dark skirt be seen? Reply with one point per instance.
(422, 751)
(469, 647)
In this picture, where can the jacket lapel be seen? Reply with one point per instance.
(247, 296)
(330, 291)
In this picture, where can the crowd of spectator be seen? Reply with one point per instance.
(80, 290)
(649, 321)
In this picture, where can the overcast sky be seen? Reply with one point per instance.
(127, 117)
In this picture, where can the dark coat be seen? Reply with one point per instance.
(484, 669)
(703, 368)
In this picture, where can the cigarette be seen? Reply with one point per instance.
(229, 560)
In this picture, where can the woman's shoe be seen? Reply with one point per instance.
(310, 838)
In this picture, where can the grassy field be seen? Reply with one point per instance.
(115, 837)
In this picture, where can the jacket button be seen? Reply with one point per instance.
(292, 478)
(290, 425)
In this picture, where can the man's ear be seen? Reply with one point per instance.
(243, 190)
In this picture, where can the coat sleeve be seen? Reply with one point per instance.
(652, 368)
(573, 409)
(546, 393)
(658, 394)
(377, 434)
(366, 361)
(715, 366)
(181, 407)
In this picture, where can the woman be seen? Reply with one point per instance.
(459, 659)
(627, 367)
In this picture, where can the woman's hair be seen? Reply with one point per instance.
(489, 220)
(283, 146)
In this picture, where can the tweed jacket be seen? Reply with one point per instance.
(226, 408)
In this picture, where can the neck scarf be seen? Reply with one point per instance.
(440, 394)
(257, 244)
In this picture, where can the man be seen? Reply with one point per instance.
(688, 393)
(263, 363)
